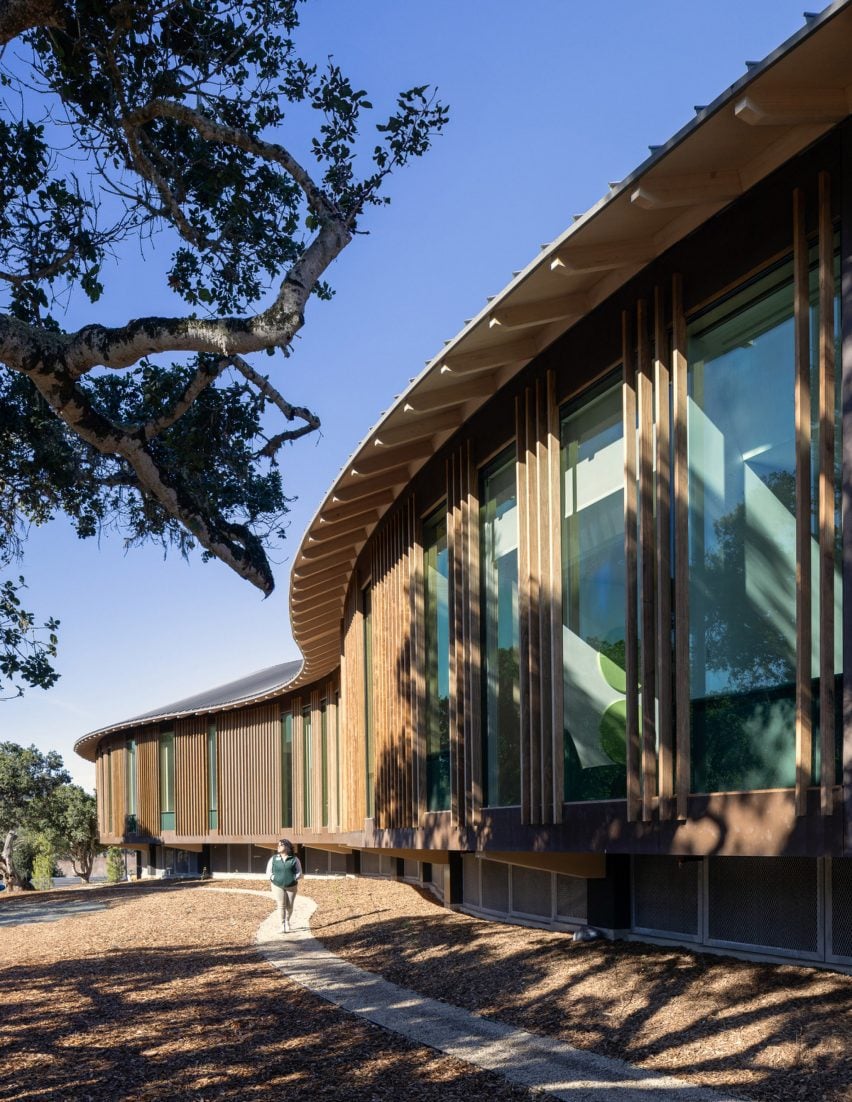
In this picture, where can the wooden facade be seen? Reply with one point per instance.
(624, 322)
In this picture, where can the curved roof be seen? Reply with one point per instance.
(251, 689)
(782, 105)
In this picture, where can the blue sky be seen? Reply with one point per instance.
(549, 101)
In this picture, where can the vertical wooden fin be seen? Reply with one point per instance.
(683, 747)
(630, 564)
(662, 417)
(523, 603)
(531, 668)
(474, 656)
(554, 539)
(826, 493)
(647, 545)
(801, 314)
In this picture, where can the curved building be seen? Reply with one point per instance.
(575, 641)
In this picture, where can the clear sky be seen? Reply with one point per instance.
(549, 101)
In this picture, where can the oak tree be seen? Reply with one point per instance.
(202, 130)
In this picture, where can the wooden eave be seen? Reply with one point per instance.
(781, 106)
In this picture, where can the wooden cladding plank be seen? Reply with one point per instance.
(474, 653)
(249, 747)
(554, 598)
(540, 603)
(648, 557)
(418, 660)
(826, 493)
(802, 340)
(630, 564)
(523, 605)
(191, 803)
(533, 604)
(681, 543)
(148, 774)
(662, 418)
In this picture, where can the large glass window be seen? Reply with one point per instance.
(167, 780)
(370, 764)
(324, 760)
(212, 779)
(307, 768)
(287, 769)
(499, 601)
(130, 786)
(742, 542)
(593, 596)
(437, 632)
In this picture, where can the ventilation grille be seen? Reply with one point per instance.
(316, 861)
(370, 864)
(571, 897)
(764, 901)
(495, 886)
(411, 870)
(841, 907)
(337, 862)
(665, 895)
(470, 881)
(531, 893)
(219, 859)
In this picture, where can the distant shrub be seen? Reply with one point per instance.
(44, 865)
(115, 864)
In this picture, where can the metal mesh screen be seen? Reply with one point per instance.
(386, 865)
(841, 907)
(239, 858)
(495, 886)
(665, 894)
(470, 881)
(764, 901)
(531, 892)
(411, 870)
(438, 874)
(219, 859)
(571, 897)
(316, 861)
(370, 864)
(337, 862)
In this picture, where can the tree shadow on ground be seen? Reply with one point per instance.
(763, 1030)
(202, 1022)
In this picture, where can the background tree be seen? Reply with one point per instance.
(73, 828)
(201, 128)
(28, 781)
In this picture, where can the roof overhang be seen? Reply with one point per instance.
(780, 107)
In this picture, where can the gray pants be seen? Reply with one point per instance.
(284, 900)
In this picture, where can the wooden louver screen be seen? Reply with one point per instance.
(540, 604)
(191, 808)
(465, 702)
(395, 704)
(825, 497)
(648, 484)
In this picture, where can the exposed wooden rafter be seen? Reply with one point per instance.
(417, 428)
(686, 191)
(382, 457)
(452, 393)
(483, 359)
(336, 513)
(365, 487)
(321, 548)
(540, 313)
(601, 258)
(791, 108)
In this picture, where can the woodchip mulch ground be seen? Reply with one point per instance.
(164, 996)
(763, 1031)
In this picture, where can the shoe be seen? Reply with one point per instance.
(286, 926)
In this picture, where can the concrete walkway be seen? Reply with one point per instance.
(540, 1063)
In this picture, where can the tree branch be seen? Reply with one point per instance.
(312, 422)
(222, 134)
(17, 16)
